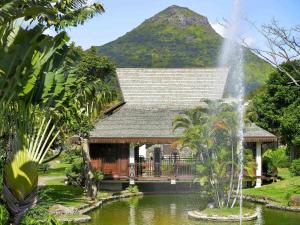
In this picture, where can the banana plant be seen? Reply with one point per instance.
(21, 171)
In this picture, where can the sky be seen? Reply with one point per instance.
(122, 16)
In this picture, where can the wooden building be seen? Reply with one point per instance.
(151, 100)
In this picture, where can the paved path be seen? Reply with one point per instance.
(43, 179)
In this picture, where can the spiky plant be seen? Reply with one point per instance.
(21, 171)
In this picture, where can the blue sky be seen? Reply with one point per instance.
(122, 16)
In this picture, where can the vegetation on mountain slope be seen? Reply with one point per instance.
(178, 37)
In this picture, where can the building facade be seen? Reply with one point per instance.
(143, 120)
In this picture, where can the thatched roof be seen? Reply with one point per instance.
(153, 97)
(132, 123)
(254, 133)
(176, 88)
(153, 126)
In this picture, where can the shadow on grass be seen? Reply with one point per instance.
(57, 192)
(60, 171)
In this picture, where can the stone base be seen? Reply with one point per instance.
(197, 215)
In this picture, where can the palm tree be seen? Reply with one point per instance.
(275, 159)
(210, 131)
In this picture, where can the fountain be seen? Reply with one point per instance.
(232, 57)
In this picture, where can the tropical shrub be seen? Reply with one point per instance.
(4, 215)
(21, 171)
(249, 163)
(38, 81)
(71, 154)
(37, 216)
(75, 174)
(295, 167)
(275, 159)
(132, 189)
(97, 175)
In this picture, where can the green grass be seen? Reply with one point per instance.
(67, 195)
(227, 211)
(60, 193)
(284, 173)
(277, 192)
(57, 168)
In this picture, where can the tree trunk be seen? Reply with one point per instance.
(89, 187)
(16, 207)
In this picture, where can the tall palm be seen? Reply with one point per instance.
(209, 131)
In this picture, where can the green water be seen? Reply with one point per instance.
(172, 210)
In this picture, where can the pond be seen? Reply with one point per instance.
(172, 210)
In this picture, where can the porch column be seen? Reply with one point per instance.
(258, 165)
(131, 164)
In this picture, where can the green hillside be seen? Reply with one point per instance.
(177, 37)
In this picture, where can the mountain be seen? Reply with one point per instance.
(178, 37)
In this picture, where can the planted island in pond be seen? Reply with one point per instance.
(223, 214)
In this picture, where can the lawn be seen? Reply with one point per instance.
(227, 211)
(60, 193)
(57, 168)
(55, 189)
(279, 192)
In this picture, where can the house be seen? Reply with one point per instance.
(151, 100)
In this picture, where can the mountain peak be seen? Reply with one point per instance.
(180, 17)
(177, 37)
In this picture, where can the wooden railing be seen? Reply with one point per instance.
(166, 167)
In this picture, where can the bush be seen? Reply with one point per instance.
(44, 167)
(4, 215)
(71, 155)
(75, 174)
(97, 175)
(37, 216)
(132, 189)
(295, 167)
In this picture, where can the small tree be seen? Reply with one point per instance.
(275, 159)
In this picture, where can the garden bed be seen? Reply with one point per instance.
(223, 215)
(77, 214)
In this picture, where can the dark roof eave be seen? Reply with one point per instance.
(260, 138)
(156, 140)
(163, 140)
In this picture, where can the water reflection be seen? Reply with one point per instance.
(172, 210)
(258, 210)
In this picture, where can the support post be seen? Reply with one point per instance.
(258, 165)
(131, 164)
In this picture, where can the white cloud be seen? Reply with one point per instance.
(249, 41)
(220, 29)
